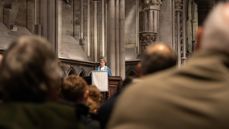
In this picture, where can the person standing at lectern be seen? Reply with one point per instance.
(102, 66)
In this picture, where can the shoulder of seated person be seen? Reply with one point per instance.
(149, 83)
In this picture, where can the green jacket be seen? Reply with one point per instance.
(37, 116)
(195, 96)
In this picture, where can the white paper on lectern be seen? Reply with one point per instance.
(100, 79)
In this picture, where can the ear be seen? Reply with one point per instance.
(199, 35)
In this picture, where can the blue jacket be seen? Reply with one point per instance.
(106, 69)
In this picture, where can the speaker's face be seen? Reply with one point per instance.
(102, 63)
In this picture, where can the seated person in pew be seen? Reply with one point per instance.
(30, 79)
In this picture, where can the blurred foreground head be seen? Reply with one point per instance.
(215, 35)
(95, 98)
(75, 89)
(1, 57)
(157, 57)
(30, 71)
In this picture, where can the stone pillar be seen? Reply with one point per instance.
(59, 24)
(184, 31)
(48, 21)
(122, 68)
(149, 21)
(95, 25)
(10, 11)
(103, 29)
(81, 20)
(180, 27)
(52, 23)
(36, 24)
(167, 22)
(88, 28)
(115, 37)
(44, 16)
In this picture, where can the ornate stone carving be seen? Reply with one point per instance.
(178, 5)
(68, 1)
(146, 39)
(150, 17)
(180, 45)
(152, 2)
(148, 4)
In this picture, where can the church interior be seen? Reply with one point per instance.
(114, 37)
(82, 31)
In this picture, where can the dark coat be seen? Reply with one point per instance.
(89, 120)
(37, 116)
(105, 111)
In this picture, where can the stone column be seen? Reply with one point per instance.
(48, 21)
(37, 26)
(81, 20)
(149, 21)
(44, 16)
(52, 24)
(180, 26)
(184, 25)
(59, 24)
(10, 12)
(95, 22)
(115, 37)
(122, 68)
(103, 29)
(88, 28)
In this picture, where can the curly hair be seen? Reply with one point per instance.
(73, 88)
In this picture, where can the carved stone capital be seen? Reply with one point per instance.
(152, 4)
(178, 5)
(146, 39)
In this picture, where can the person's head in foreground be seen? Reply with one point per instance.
(75, 89)
(95, 94)
(1, 57)
(95, 98)
(158, 57)
(29, 71)
(194, 96)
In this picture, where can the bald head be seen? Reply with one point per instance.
(159, 48)
(216, 32)
(158, 57)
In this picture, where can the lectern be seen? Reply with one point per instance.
(114, 84)
(100, 79)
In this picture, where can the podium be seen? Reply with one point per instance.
(100, 80)
(114, 84)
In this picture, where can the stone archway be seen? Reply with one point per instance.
(82, 73)
(72, 71)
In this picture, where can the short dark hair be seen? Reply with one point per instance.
(157, 60)
(73, 88)
(30, 71)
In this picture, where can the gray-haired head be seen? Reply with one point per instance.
(216, 29)
(30, 71)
